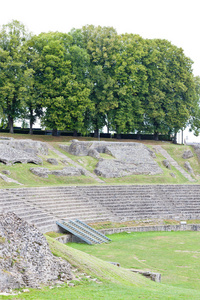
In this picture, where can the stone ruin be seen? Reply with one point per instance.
(25, 257)
(68, 171)
(26, 151)
(125, 158)
(21, 151)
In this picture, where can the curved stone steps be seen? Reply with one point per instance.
(43, 206)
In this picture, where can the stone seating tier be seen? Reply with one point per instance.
(42, 206)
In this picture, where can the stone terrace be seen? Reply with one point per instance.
(42, 206)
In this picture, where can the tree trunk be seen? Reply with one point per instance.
(75, 133)
(108, 129)
(156, 136)
(118, 136)
(175, 138)
(139, 136)
(55, 132)
(31, 127)
(10, 124)
(31, 121)
(96, 133)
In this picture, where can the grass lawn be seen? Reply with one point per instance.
(22, 174)
(173, 254)
(131, 250)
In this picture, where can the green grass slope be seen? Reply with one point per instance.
(113, 282)
(22, 174)
(173, 254)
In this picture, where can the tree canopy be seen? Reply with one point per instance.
(93, 77)
(12, 66)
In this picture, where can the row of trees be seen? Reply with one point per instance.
(92, 77)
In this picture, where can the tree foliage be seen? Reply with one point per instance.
(92, 77)
(63, 94)
(171, 93)
(12, 66)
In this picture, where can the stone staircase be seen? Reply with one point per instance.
(15, 200)
(43, 206)
(148, 201)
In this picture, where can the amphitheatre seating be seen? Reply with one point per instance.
(148, 201)
(43, 206)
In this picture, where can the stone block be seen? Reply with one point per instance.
(187, 154)
(41, 172)
(52, 161)
(166, 164)
(188, 167)
(93, 153)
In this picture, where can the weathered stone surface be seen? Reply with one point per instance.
(110, 168)
(130, 158)
(26, 260)
(73, 141)
(197, 150)
(79, 148)
(6, 138)
(173, 175)
(6, 172)
(9, 156)
(148, 274)
(188, 167)
(115, 263)
(65, 162)
(27, 145)
(93, 153)
(67, 171)
(8, 179)
(187, 154)
(152, 153)
(64, 147)
(166, 164)
(52, 161)
(41, 172)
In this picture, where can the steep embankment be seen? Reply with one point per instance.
(97, 168)
(117, 282)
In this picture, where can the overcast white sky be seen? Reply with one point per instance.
(175, 20)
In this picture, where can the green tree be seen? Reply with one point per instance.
(12, 66)
(101, 44)
(32, 108)
(194, 121)
(131, 81)
(171, 94)
(63, 98)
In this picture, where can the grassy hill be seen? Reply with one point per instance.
(97, 279)
(21, 173)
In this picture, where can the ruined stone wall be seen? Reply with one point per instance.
(25, 257)
(127, 158)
